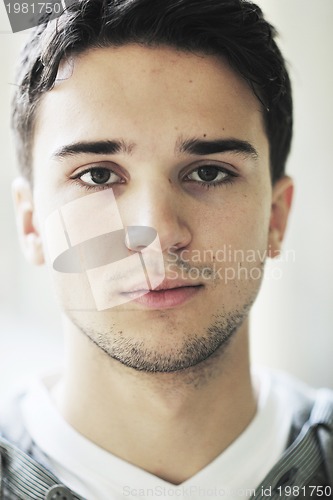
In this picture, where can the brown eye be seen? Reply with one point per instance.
(208, 174)
(99, 176)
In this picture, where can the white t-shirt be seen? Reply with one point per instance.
(96, 474)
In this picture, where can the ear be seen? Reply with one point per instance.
(281, 202)
(26, 221)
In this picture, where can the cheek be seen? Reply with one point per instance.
(73, 291)
(239, 225)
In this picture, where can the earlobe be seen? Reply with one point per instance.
(26, 221)
(281, 204)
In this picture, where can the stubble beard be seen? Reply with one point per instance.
(195, 349)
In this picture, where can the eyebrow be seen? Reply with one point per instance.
(94, 147)
(206, 147)
(192, 146)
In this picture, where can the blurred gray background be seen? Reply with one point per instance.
(292, 321)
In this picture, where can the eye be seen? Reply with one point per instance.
(210, 175)
(98, 176)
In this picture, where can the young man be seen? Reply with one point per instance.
(152, 137)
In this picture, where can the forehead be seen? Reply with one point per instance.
(147, 95)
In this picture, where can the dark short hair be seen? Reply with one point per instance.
(233, 29)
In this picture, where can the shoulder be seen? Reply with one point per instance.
(308, 457)
(311, 432)
(307, 404)
(13, 431)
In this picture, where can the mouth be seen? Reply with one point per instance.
(166, 296)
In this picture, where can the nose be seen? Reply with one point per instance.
(139, 237)
(152, 205)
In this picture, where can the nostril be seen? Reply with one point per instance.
(137, 238)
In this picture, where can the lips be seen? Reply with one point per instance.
(173, 284)
(169, 294)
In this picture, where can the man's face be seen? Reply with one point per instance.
(195, 168)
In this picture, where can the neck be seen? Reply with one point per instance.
(173, 415)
